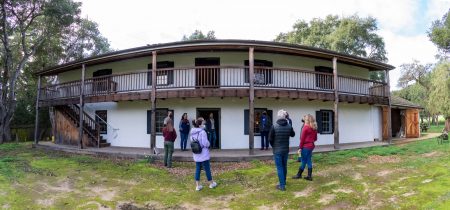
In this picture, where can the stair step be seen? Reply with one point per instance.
(105, 144)
(102, 141)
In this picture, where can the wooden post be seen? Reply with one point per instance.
(36, 126)
(389, 120)
(251, 108)
(336, 102)
(153, 100)
(83, 70)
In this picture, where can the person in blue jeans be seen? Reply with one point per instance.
(307, 145)
(184, 128)
(202, 159)
(264, 126)
(211, 129)
(279, 139)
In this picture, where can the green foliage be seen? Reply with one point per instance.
(350, 35)
(439, 33)
(415, 72)
(198, 35)
(440, 88)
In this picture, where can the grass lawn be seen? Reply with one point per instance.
(409, 176)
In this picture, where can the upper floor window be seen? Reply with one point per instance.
(164, 77)
(324, 81)
(263, 71)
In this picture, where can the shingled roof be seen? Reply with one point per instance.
(403, 103)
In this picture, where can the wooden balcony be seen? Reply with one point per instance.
(217, 81)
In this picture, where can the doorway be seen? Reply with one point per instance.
(205, 112)
(207, 72)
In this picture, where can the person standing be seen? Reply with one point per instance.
(184, 128)
(202, 159)
(211, 129)
(279, 139)
(169, 117)
(307, 145)
(289, 119)
(169, 135)
(264, 127)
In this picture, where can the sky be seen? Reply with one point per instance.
(403, 24)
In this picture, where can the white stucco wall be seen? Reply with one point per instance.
(358, 122)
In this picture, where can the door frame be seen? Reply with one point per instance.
(218, 118)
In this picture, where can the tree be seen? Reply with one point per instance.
(350, 35)
(439, 33)
(25, 27)
(440, 91)
(415, 72)
(415, 93)
(198, 35)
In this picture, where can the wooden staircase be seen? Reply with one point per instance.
(90, 127)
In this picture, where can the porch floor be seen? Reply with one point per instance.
(224, 155)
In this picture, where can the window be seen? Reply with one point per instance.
(324, 81)
(164, 77)
(325, 121)
(101, 84)
(101, 116)
(257, 119)
(263, 76)
(159, 115)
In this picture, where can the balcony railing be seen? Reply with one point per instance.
(215, 77)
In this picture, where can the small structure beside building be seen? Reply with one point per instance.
(404, 118)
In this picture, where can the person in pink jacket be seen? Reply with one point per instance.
(201, 159)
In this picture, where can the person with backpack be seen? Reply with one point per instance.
(279, 139)
(169, 135)
(199, 145)
(307, 139)
(184, 128)
(264, 127)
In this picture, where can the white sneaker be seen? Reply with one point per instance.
(198, 188)
(213, 185)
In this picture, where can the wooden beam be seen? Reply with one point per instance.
(83, 74)
(153, 100)
(388, 91)
(336, 102)
(36, 126)
(251, 135)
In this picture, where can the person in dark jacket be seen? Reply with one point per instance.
(264, 126)
(169, 135)
(211, 131)
(184, 127)
(289, 119)
(307, 145)
(279, 139)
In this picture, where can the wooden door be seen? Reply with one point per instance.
(412, 123)
(385, 120)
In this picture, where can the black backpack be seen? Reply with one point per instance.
(196, 146)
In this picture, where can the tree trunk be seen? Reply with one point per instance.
(432, 120)
(437, 120)
(429, 122)
(447, 124)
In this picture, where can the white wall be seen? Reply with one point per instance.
(358, 122)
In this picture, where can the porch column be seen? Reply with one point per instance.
(83, 70)
(153, 100)
(251, 109)
(336, 102)
(388, 92)
(36, 126)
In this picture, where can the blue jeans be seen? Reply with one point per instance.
(207, 168)
(281, 164)
(264, 139)
(306, 158)
(183, 142)
(212, 138)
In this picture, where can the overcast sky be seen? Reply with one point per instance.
(402, 23)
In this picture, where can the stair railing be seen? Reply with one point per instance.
(94, 125)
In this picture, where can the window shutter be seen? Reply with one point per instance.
(270, 114)
(246, 71)
(319, 121)
(149, 121)
(246, 114)
(332, 121)
(149, 74)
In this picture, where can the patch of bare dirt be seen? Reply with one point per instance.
(6, 206)
(343, 190)
(331, 183)
(106, 194)
(427, 181)
(45, 202)
(274, 206)
(383, 159)
(216, 168)
(326, 198)
(63, 186)
(384, 173)
(305, 192)
(432, 154)
(340, 205)
(99, 205)
(408, 194)
(335, 169)
(147, 206)
(357, 176)
(403, 178)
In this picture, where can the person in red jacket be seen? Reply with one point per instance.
(307, 139)
(170, 135)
